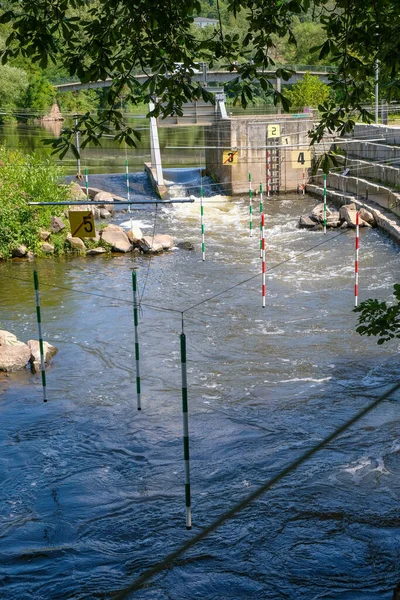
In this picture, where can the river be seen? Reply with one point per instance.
(92, 489)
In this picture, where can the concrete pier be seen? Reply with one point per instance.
(238, 145)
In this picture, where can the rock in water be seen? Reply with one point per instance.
(185, 245)
(166, 241)
(148, 244)
(14, 355)
(20, 252)
(367, 216)
(305, 223)
(48, 351)
(117, 238)
(317, 212)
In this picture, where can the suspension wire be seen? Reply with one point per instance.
(269, 269)
(260, 491)
(125, 300)
(151, 256)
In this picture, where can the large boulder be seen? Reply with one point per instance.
(103, 198)
(149, 244)
(104, 213)
(44, 235)
(185, 245)
(348, 214)
(76, 192)
(305, 222)
(367, 216)
(96, 251)
(117, 238)
(20, 251)
(134, 233)
(166, 241)
(317, 213)
(56, 225)
(76, 242)
(48, 352)
(14, 355)
(333, 220)
(47, 248)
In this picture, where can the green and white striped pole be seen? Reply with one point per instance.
(87, 183)
(261, 212)
(324, 202)
(128, 193)
(136, 323)
(251, 206)
(186, 432)
(203, 246)
(39, 322)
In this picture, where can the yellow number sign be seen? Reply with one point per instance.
(285, 140)
(301, 159)
(274, 131)
(230, 157)
(82, 223)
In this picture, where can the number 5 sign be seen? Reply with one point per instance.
(301, 159)
(82, 223)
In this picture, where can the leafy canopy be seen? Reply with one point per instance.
(98, 39)
(379, 319)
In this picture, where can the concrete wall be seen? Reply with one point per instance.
(379, 194)
(249, 136)
(387, 175)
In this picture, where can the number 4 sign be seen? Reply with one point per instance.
(301, 159)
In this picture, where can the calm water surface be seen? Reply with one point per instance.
(92, 490)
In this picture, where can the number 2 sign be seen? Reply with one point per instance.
(274, 131)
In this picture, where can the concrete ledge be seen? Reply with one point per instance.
(381, 195)
(384, 174)
(390, 226)
(160, 190)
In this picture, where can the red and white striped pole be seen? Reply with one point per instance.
(263, 269)
(356, 262)
(268, 173)
(303, 185)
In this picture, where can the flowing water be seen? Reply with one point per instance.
(92, 490)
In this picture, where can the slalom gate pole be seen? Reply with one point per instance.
(261, 212)
(39, 322)
(128, 193)
(136, 323)
(303, 185)
(268, 173)
(203, 247)
(87, 183)
(263, 268)
(185, 432)
(324, 202)
(251, 206)
(78, 160)
(356, 261)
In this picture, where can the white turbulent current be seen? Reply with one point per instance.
(92, 490)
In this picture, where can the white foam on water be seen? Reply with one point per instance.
(140, 224)
(296, 379)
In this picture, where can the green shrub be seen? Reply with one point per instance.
(25, 178)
